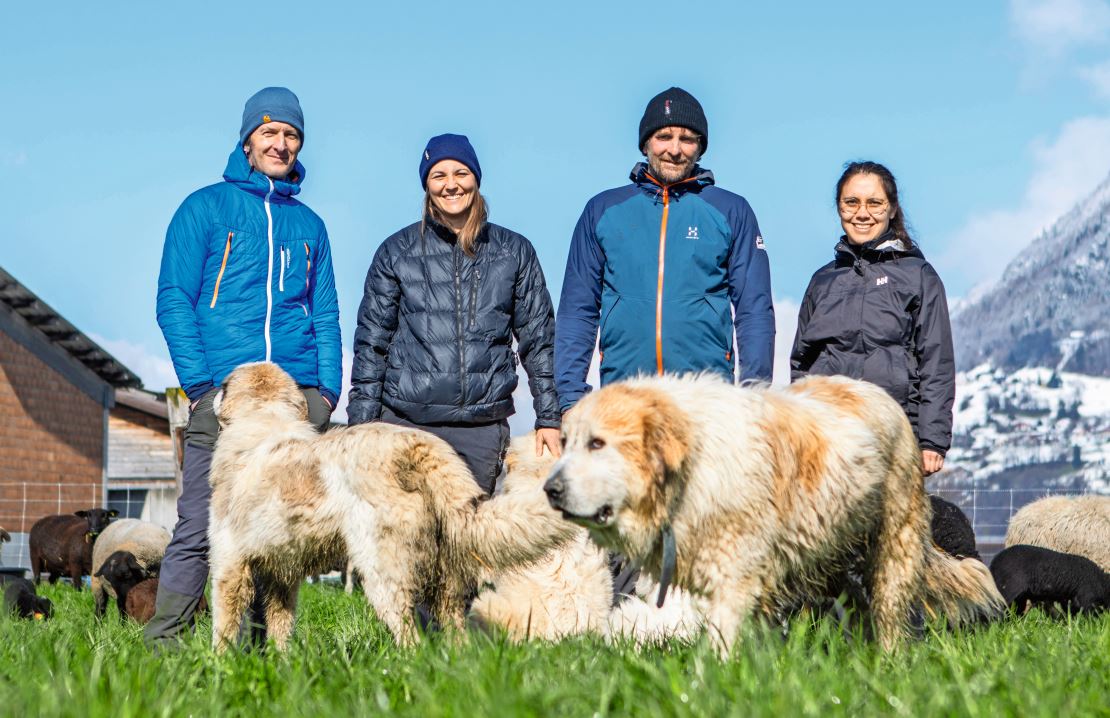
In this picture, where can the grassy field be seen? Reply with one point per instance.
(344, 663)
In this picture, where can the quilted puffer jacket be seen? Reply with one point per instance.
(435, 329)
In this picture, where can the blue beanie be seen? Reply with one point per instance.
(271, 104)
(449, 147)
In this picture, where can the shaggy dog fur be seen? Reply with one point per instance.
(952, 530)
(287, 502)
(1042, 576)
(1077, 525)
(768, 494)
(567, 592)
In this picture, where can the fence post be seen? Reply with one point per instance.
(177, 405)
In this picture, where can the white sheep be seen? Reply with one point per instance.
(145, 540)
(1077, 525)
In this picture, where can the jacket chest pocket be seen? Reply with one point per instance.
(294, 268)
(233, 267)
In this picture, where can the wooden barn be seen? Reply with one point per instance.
(76, 431)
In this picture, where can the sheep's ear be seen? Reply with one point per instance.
(100, 571)
(82, 513)
(112, 513)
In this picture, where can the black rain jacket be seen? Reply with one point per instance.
(877, 312)
(435, 329)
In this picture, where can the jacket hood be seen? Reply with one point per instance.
(240, 173)
(641, 176)
(886, 246)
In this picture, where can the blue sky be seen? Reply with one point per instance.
(994, 116)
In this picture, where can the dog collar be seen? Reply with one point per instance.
(670, 558)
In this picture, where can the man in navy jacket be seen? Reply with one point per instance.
(671, 269)
(246, 276)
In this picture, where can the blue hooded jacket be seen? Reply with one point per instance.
(660, 269)
(247, 276)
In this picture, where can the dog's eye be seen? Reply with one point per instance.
(596, 443)
(563, 441)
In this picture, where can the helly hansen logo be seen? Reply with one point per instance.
(881, 281)
(759, 242)
(691, 233)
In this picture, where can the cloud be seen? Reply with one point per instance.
(1098, 77)
(154, 368)
(786, 323)
(1056, 27)
(1066, 170)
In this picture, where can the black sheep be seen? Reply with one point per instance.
(62, 545)
(123, 571)
(20, 597)
(1042, 576)
(951, 529)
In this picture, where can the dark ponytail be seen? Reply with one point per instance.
(890, 186)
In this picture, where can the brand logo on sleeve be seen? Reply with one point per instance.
(759, 242)
(691, 233)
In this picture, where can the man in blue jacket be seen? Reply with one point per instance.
(671, 268)
(246, 276)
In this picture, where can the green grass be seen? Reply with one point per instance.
(344, 663)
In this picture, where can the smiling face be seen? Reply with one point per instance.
(865, 209)
(272, 149)
(672, 153)
(452, 186)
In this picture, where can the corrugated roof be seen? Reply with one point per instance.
(61, 333)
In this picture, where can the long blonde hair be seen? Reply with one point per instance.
(468, 235)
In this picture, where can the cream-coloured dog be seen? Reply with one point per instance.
(750, 497)
(400, 503)
(569, 591)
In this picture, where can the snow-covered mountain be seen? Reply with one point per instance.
(1033, 392)
(1051, 308)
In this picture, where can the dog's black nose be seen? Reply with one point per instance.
(555, 487)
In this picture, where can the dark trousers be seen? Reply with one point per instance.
(481, 446)
(184, 571)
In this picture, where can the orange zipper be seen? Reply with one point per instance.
(659, 292)
(223, 266)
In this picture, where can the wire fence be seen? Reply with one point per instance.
(24, 503)
(989, 510)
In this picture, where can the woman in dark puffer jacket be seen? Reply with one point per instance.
(443, 301)
(877, 312)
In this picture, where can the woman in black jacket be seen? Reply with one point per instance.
(877, 312)
(443, 301)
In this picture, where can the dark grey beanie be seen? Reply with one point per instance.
(676, 107)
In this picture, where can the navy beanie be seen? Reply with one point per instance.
(449, 147)
(271, 104)
(674, 107)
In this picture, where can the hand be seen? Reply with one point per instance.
(931, 462)
(550, 439)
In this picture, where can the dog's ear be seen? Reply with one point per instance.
(667, 434)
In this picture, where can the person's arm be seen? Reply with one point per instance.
(534, 328)
(801, 354)
(376, 323)
(579, 312)
(179, 284)
(324, 307)
(936, 365)
(749, 287)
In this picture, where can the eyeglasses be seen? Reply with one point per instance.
(875, 207)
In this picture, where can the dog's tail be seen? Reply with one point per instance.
(509, 530)
(961, 590)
